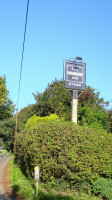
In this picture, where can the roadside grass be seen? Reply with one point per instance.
(26, 188)
(19, 183)
(3, 152)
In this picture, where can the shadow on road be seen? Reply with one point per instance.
(4, 197)
(5, 194)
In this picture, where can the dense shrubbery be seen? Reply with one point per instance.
(94, 117)
(34, 120)
(103, 188)
(64, 150)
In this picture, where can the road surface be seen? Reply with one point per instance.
(3, 162)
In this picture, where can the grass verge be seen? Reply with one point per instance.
(26, 188)
(3, 152)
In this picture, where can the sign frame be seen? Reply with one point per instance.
(75, 75)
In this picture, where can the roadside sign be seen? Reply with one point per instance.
(75, 75)
(36, 169)
(37, 173)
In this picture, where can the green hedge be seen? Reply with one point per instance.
(103, 188)
(34, 120)
(64, 150)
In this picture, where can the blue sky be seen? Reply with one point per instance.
(56, 30)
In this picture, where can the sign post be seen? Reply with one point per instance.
(75, 79)
(37, 172)
(74, 105)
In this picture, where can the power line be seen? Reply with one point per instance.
(21, 69)
(22, 53)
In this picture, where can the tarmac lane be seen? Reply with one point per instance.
(3, 162)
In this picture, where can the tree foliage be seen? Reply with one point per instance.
(7, 125)
(110, 119)
(91, 108)
(7, 133)
(54, 99)
(1, 142)
(6, 105)
(25, 114)
(91, 97)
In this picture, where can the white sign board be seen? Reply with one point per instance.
(36, 169)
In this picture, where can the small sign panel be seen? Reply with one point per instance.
(36, 169)
(75, 75)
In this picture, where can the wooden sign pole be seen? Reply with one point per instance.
(37, 174)
(36, 189)
(74, 106)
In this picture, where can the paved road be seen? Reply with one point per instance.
(3, 162)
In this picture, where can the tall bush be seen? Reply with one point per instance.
(64, 150)
(34, 120)
(103, 188)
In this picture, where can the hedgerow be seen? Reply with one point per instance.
(64, 150)
(34, 120)
(103, 188)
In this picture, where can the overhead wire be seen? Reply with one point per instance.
(21, 67)
(22, 53)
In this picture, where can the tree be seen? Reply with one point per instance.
(7, 133)
(55, 99)
(91, 108)
(6, 114)
(110, 119)
(1, 142)
(6, 105)
(91, 97)
(25, 114)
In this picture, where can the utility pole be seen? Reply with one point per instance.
(16, 125)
